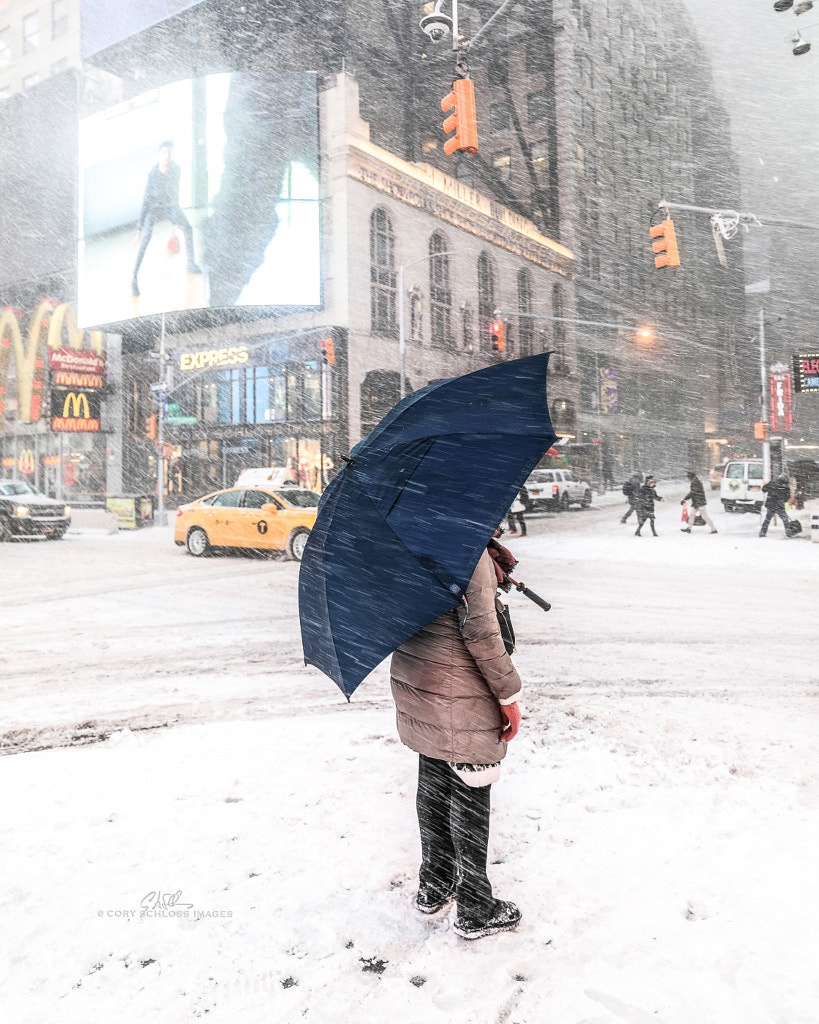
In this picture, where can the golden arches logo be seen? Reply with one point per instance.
(50, 321)
(76, 403)
(25, 461)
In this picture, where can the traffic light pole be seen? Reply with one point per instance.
(160, 430)
(766, 444)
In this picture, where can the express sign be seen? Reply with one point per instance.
(806, 372)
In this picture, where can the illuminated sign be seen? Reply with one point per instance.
(73, 360)
(806, 372)
(608, 389)
(197, 195)
(77, 380)
(26, 462)
(75, 410)
(213, 357)
(45, 333)
(780, 396)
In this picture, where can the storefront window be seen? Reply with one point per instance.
(228, 396)
(312, 391)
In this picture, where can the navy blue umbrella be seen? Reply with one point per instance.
(401, 527)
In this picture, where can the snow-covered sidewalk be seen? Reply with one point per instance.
(657, 819)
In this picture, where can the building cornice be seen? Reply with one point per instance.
(444, 197)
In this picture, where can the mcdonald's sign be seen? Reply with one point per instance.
(26, 462)
(76, 410)
(45, 333)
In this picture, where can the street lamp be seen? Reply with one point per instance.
(402, 343)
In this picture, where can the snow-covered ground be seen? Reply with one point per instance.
(215, 833)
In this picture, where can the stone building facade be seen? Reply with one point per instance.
(385, 222)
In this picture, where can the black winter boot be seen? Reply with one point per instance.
(504, 917)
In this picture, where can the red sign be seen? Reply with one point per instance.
(781, 415)
(66, 378)
(76, 360)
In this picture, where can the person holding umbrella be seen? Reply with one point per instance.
(395, 566)
(456, 693)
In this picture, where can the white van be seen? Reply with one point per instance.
(741, 487)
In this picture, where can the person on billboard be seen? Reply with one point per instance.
(161, 202)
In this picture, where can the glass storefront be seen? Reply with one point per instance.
(275, 405)
(66, 466)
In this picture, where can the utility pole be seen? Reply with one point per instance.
(766, 444)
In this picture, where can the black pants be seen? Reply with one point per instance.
(642, 519)
(770, 514)
(177, 217)
(454, 823)
(517, 522)
(631, 508)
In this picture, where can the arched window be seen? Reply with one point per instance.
(382, 274)
(527, 325)
(467, 328)
(486, 300)
(440, 295)
(563, 416)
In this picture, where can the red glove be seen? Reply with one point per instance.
(511, 720)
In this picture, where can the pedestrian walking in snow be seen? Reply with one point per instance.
(696, 495)
(646, 497)
(778, 491)
(631, 488)
(456, 693)
(515, 515)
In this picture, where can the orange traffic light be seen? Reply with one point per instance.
(462, 120)
(498, 336)
(666, 245)
(328, 352)
(761, 430)
(150, 427)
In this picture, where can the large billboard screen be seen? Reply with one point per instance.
(201, 193)
(105, 22)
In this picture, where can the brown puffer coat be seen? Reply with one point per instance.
(449, 678)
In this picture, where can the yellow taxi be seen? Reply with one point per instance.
(243, 517)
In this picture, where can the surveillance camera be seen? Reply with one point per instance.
(437, 26)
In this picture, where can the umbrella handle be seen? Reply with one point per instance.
(538, 600)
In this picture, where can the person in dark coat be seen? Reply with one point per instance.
(645, 505)
(696, 495)
(778, 491)
(456, 692)
(631, 489)
(161, 202)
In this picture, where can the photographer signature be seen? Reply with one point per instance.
(156, 900)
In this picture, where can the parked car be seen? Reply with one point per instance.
(554, 490)
(715, 476)
(257, 519)
(741, 487)
(25, 512)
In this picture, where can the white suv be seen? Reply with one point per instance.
(554, 490)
